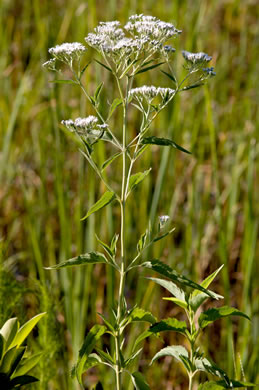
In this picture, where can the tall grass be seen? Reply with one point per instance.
(212, 197)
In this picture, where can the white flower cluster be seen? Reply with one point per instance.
(163, 219)
(151, 28)
(87, 127)
(147, 33)
(150, 92)
(196, 58)
(209, 72)
(67, 51)
(50, 65)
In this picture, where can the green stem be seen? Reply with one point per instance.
(123, 238)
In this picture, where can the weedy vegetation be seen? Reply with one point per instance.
(171, 195)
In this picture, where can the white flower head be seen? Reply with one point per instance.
(67, 52)
(150, 92)
(50, 65)
(209, 72)
(151, 28)
(163, 219)
(87, 127)
(105, 37)
(196, 58)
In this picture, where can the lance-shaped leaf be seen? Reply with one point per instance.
(149, 68)
(11, 360)
(90, 341)
(103, 65)
(197, 298)
(98, 91)
(220, 385)
(110, 160)
(162, 142)
(22, 380)
(175, 351)
(106, 198)
(2, 346)
(28, 364)
(132, 358)
(116, 103)
(9, 331)
(139, 381)
(171, 287)
(87, 258)
(177, 301)
(24, 331)
(213, 314)
(170, 76)
(165, 270)
(142, 337)
(136, 179)
(169, 324)
(195, 302)
(140, 315)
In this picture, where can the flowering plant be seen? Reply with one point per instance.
(140, 46)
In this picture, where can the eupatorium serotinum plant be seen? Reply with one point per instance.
(126, 52)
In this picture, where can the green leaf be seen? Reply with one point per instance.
(220, 385)
(132, 358)
(171, 287)
(158, 238)
(98, 91)
(105, 66)
(2, 346)
(169, 324)
(84, 69)
(139, 381)
(87, 258)
(170, 76)
(105, 356)
(149, 68)
(213, 314)
(165, 270)
(162, 142)
(110, 160)
(114, 243)
(140, 315)
(192, 86)
(107, 323)
(140, 151)
(91, 339)
(22, 380)
(136, 179)
(106, 198)
(29, 364)
(196, 301)
(177, 301)
(236, 384)
(64, 82)
(24, 331)
(174, 350)
(9, 331)
(142, 241)
(11, 359)
(142, 337)
(116, 103)
(104, 246)
(206, 282)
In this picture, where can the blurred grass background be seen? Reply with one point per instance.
(212, 196)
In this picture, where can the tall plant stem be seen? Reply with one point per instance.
(123, 238)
